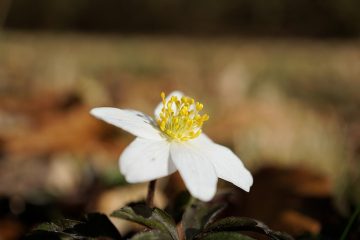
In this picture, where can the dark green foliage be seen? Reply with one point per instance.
(151, 235)
(235, 224)
(93, 226)
(177, 208)
(198, 215)
(197, 224)
(58, 226)
(153, 218)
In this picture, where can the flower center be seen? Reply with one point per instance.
(180, 119)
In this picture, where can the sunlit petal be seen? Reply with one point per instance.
(197, 172)
(134, 122)
(145, 160)
(227, 165)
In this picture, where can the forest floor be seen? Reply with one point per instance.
(290, 108)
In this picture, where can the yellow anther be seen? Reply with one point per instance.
(189, 122)
(198, 133)
(205, 117)
(199, 106)
(162, 125)
(169, 103)
(177, 121)
(184, 111)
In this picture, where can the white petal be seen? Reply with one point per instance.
(160, 105)
(227, 165)
(134, 122)
(202, 139)
(196, 170)
(144, 160)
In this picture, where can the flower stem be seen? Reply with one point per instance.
(150, 193)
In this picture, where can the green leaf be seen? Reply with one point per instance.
(226, 235)
(282, 236)
(96, 225)
(92, 226)
(198, 215)
(177, 207)
(234, 224)
(153, 218)
(57, 226)
(151, 235)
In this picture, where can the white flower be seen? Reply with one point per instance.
(175, 142)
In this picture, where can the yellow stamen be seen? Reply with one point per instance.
(179, 118)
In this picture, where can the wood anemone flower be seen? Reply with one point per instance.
(174, 141)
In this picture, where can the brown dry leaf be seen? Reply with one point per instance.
(10, 229)
(298, 223)
(74, 131)
(283, 199)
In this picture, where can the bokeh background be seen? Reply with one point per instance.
(279, 79)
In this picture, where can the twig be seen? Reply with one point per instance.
(350, 223)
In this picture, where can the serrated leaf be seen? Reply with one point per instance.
(153, 218)
(50, 227)
(198, 215)
(151, 235)
(233, 224)
(226, 235)
(93, 226)
(55, 230)
(57, 226)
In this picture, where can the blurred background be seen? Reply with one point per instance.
(279, 79)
